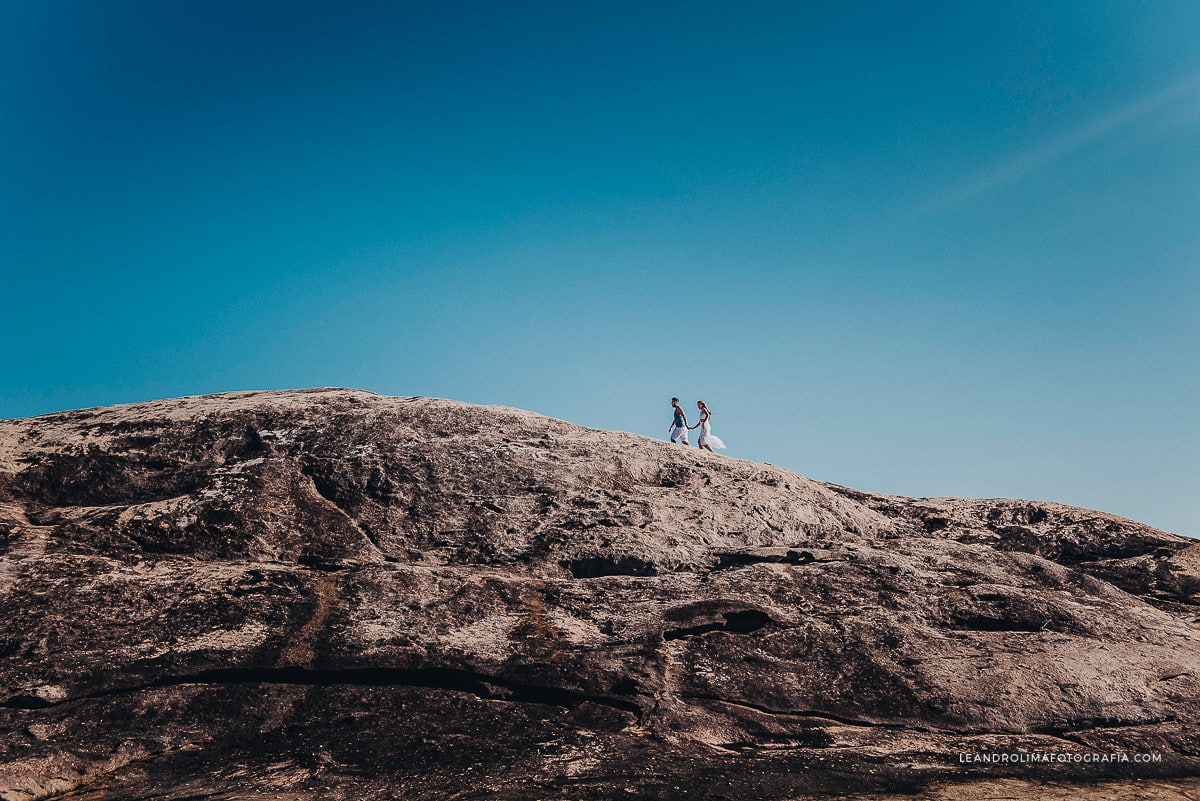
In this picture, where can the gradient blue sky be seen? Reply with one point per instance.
(944, 250)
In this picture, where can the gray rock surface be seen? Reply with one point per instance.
(331, 594)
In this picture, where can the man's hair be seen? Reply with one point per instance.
(674, 400)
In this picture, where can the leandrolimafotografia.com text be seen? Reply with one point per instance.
(1048, 757)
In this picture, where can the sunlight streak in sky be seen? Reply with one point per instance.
(1034, 158)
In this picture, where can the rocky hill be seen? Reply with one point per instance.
(330, 594)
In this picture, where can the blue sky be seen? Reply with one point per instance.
(950, 250)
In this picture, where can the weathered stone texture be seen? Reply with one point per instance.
(331, 594)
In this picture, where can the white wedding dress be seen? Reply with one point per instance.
(707, 437)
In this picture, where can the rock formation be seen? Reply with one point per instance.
(330, 594)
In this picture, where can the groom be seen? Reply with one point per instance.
(679, 426)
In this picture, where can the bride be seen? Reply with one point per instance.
(707, 440)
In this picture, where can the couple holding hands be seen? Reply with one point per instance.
(680, 427)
